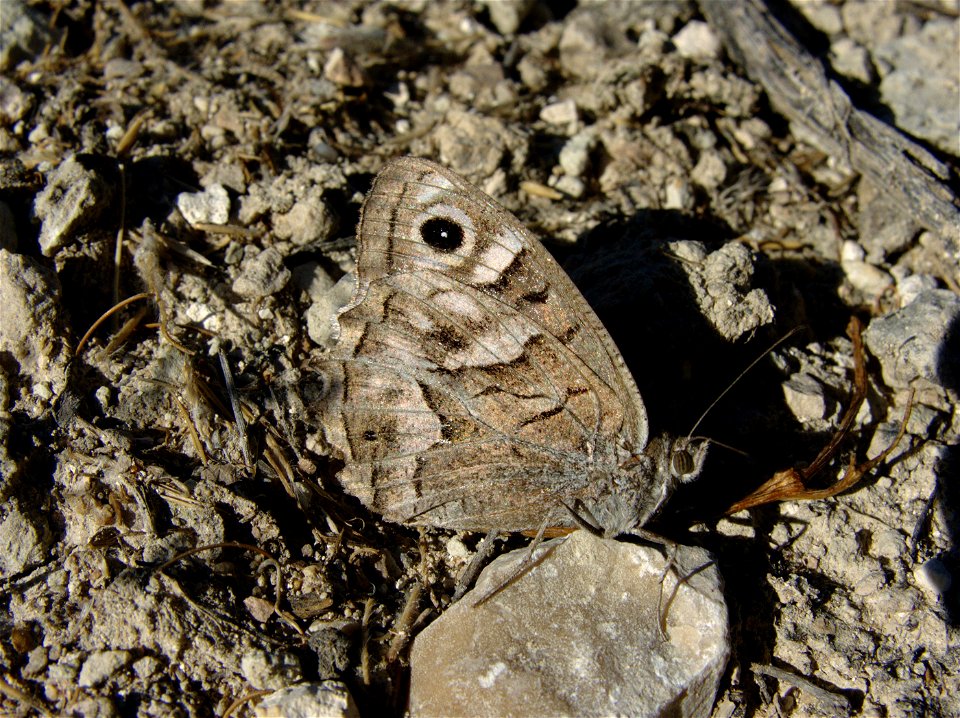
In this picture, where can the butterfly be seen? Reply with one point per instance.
(472, 386)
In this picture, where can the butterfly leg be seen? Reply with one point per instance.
(584, 518)
(529, 562)
(682, 572)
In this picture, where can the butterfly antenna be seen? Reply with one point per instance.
(714, 442)
(740, 376)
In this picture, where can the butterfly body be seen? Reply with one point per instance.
(472, 386)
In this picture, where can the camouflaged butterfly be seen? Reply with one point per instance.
(472, 387)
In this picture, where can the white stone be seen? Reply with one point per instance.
(571, 186)
(575, 156)
(697, 40)
(100, 666)
(721, 283)
(23, 543)
(313, 279)
(677, 194)
(710, 171)
(507, 15)
(870, 280)
(850, 251)
(822, 15)
(264, 669)
(456, 549)
(560, 113)
(327, 699)
(850, 59)
(912, 285)
(888, 543)
(341, 69)
(211, 206)
(805, 397)
(865, 277)
(308, 222)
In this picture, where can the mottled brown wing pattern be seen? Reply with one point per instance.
(473, 386)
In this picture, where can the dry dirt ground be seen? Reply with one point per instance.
(205, 162)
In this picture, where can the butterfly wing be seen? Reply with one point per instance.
(474, 386)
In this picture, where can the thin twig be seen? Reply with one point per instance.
(106, 315)
(238, 419)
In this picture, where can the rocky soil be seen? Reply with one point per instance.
(179, 187)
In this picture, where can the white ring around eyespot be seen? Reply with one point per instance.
(458, 217)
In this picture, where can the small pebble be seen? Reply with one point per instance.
(326, 699)
(211, 206)
(805, 397)
(697, 40)
(261, 275)
(560, 113)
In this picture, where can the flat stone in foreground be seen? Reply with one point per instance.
(577, 635)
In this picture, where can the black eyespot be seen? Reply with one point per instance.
(444, 235)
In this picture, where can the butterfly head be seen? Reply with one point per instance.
(647, 479)
(686, 457)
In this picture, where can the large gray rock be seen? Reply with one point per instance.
(77, 194)
(921, 84)
(912, 343)
(578, 635)
(31, 331)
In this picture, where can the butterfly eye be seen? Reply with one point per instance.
(681, 462)
(442, 234)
